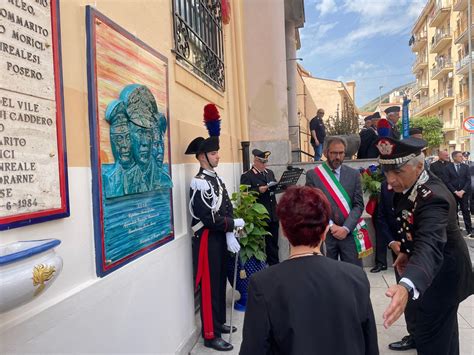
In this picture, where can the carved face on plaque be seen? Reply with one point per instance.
(142, 141)
(120, 141)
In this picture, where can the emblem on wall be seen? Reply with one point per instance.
(129, 126)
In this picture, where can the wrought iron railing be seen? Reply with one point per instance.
(440, 65)
(198, 38)
(432, 100)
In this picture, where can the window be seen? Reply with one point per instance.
(198, 38)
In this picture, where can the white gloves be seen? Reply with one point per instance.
(239, 223)
(232, 243)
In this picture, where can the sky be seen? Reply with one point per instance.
(361, 40)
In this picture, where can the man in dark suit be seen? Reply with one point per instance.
(340, 242)
(393, 116)
(438, 168)
(433, 262)
(458, 180)
(260, 178)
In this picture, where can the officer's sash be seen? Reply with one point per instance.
(343, 201)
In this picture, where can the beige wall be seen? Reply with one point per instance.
(265, 69)
(326, 94)
(151, 22)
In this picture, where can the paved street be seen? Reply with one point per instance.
(379, 283)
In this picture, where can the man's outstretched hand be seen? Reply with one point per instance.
(395, 309)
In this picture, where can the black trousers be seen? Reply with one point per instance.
(463, 205)
(217, 256)
(437, 330)
(380, 243)
(342, 249)
(271, 243)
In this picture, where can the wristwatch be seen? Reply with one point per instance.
(408, 288)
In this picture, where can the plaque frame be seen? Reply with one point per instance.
(102, 268)
(25, 219)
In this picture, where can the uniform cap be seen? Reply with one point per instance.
(392, 109)
(395, 153)
(262, 155)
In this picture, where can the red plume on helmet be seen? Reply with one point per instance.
(212, 120)
(383, 128)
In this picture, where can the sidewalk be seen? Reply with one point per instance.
(379, 283)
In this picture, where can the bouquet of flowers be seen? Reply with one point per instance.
(372, 178)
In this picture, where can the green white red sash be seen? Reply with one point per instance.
(343, 201)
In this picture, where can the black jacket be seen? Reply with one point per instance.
(367, 148)
(458, 182)
(309, 305)
(254, 178)
(439, 169)
(439, 263)
(385, 222)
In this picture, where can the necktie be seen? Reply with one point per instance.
(335, 174)
(457, 169)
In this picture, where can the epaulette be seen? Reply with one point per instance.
(199, 183)
(424, 192)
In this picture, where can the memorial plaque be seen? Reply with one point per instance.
(33, 178)
(130, 155)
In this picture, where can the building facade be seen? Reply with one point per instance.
(243, 66)
(441, 67)
(335, 97)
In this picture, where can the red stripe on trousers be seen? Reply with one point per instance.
(203, 277)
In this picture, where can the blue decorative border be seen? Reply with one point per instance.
(64, 211)
(24, 254)
(91, 15)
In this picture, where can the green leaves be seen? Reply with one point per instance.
(255, 216)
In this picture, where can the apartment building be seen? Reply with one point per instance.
(441, 67)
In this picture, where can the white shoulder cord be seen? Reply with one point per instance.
(216, 201)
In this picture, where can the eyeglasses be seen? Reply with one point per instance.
(264, 161)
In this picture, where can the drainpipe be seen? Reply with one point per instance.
(245, 155)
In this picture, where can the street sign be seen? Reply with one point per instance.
(468, 124)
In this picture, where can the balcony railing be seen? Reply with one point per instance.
(440, 40)
(440, 13)
(462, 99)
(419, 42)
(443, 65)
(432, 101)
(420, 85)
(460, 35)
(420, 62)
(462, 66)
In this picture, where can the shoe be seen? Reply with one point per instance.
(406, 343)
(218, 344)
(378, 268)
(225, 329)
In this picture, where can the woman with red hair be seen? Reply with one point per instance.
(308, 304)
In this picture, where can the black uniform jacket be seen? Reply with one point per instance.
(219, 221)
(254, 178)
(439, 263)
(367, 148)
(309, 305)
